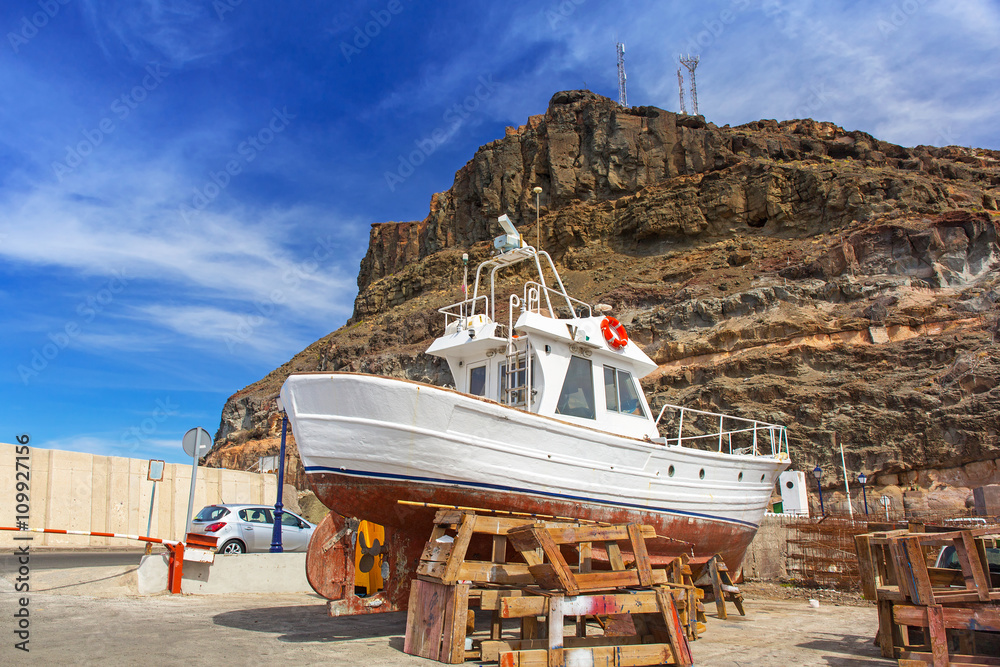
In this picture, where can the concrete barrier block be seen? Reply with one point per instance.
(243, 573)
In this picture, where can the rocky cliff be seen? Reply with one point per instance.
(792, 271)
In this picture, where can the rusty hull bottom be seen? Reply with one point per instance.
(408, 527)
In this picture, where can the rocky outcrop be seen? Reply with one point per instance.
(793, 271)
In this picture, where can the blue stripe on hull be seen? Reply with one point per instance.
(501, 487)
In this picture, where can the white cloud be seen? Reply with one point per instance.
(120, 219)
(177, 31)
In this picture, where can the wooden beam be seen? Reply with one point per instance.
(981, 617)
(620, 656)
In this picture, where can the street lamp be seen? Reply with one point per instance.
(279, 511)
(862, 479)
(818, 474)
(538, 229)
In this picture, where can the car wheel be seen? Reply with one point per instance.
(232, 547)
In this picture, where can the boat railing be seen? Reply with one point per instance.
(752, 437)
(463, 310)
(533, 297)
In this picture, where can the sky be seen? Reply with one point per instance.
(186, 188)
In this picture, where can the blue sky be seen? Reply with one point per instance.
(186, 187)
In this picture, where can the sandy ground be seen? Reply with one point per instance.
(91, 616)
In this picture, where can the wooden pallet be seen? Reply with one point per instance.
(920, 606)
(719, 583)
(539, 588)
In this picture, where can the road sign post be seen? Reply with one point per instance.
(154, 475)
(886, 502)
(196, 443)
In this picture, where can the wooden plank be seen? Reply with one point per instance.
(920, 659)
(642, 563)
(490, 597)
(585, 556)
(901, 569)
(980, 617)
(918, 581)
(459, 548)
(569, 534)
(436, 552)
(499, 551)
(994, 580)
(505, 574)
(432, 570)
(735, 594)
(980, 579)
(556, 621)
(938, 636)
(639, 602)
(678, 640)
(425, 619)
(614, 555)
(491, 649)
(555, 558)
(620, 656)
(885, 565)
(454, 627)
(529, 627)
(720, 599)
(524, 538)
(448, 516)
(866, 567)
(888, 632)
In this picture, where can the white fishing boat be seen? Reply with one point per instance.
(546, 416)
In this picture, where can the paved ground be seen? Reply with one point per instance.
(88, 616)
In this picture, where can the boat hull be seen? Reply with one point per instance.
(367, 442)
(377, 500)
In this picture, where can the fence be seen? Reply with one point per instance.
(820, 551)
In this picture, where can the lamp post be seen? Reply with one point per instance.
(862, 479)
(818, 474)
(538, 229)
(278, 511)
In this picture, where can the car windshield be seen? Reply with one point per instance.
(949, 559)
(211, 513)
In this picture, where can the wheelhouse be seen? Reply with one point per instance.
(551, 357)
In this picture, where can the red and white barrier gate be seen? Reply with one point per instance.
(198, 548)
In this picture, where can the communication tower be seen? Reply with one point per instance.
(622, 97)
(680, 90)
(691, 62)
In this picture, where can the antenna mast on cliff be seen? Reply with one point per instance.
(680, 90)
(691, 62)
(622, 97)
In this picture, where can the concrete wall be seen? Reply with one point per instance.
(75, 491)
(767, 557)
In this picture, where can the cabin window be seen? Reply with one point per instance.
(477, 380)
(620, 393)
(577, 396)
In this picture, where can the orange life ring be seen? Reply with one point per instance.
(614, 332)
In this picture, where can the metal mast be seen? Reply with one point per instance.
(680, 90)
(691, 62)
(622, 97)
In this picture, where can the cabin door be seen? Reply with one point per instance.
(477, 378)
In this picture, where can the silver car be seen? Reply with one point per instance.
(249, 528)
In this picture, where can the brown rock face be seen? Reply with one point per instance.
(792, 271)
